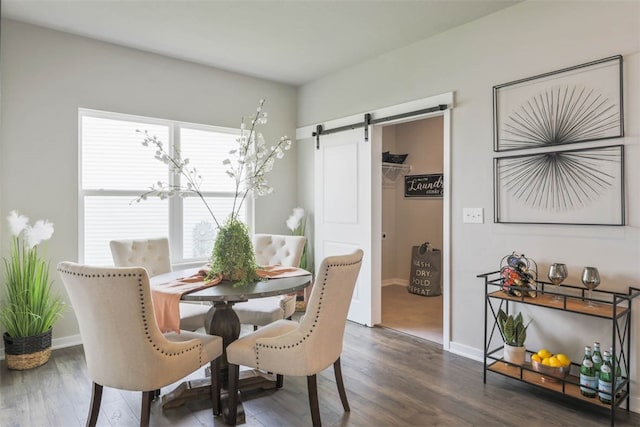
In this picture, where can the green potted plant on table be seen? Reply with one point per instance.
(514, 333)
(29, 308)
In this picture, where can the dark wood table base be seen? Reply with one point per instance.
(224, 322)
(200, 389)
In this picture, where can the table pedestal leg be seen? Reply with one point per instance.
(222, 321)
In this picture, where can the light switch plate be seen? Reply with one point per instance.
(472, 215)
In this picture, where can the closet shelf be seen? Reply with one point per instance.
(391, 171)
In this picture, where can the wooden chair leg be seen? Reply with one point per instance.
(215, 387)
(337, 369)
(279, 380)
(232, 391)
(255, 328)
(312, 387)
(94, 410)
(145, 410)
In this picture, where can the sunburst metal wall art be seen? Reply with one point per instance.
(560, 115)
(576, 104)
(582, 186)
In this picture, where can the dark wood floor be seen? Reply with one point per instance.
(392, 379)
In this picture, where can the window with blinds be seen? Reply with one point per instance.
(115, 168)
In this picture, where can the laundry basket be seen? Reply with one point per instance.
(426, 277)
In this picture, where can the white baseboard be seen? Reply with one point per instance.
(57, 343)
(634, 404)
(466, 351)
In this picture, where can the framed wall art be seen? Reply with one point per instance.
(581, 186)
(575, 104)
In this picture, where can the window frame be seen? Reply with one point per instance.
(175, 204)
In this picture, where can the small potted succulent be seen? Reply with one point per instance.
(514, 333)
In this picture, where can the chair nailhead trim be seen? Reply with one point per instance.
(315, 321)
(144, 309)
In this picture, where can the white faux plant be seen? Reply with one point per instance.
(247, 165)
(297, 224)
(232, 256)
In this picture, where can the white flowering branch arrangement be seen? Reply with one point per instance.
(247, 165)
(297, 224)
(30, 308)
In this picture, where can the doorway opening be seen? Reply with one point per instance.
(351, 166)
(408, 222)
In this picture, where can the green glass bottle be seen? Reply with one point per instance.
(617, 370)
(596, 356)
(606, 379)
(588, 380)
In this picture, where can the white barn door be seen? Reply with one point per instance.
(345, 197)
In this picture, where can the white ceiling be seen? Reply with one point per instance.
(293, 42)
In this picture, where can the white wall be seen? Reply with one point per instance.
(524, 40)
(47, 75)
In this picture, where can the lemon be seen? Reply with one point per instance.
(546, 361)
(536, 358)
(563, 359)
(544, 353)
(554, 362)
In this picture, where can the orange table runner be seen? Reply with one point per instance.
(166, 296)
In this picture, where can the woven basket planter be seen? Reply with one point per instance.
(27, 352)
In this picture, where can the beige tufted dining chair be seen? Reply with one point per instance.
(155, 257)
(123, 346)
(306, 348)
(272, 249)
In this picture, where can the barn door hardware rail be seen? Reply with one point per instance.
(368, 120)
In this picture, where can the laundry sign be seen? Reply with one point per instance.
(431, 185)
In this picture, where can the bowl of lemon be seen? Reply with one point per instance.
(552, 366)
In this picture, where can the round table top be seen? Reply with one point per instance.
(231, 292)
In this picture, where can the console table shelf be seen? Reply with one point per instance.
(572, 304)
(613, 307)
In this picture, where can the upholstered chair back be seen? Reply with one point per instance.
(325, 319)
(286, 347)
(123, 346)
(305, 348)
(277, 249)
(272, 249)
(152, 254)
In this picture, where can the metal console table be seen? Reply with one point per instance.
(614, 307)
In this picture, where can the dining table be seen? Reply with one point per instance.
(223, 321)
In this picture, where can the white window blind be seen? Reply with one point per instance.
(115, 168)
